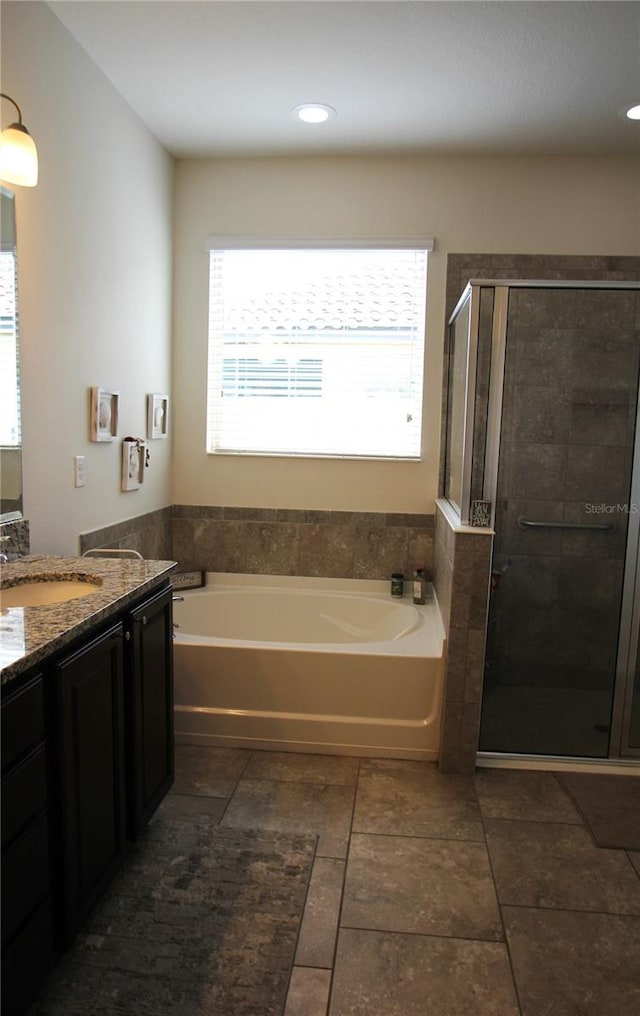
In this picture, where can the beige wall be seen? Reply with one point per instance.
(94, 249)
(510, 205)
(95, 281)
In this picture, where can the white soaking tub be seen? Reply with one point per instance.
(301, 664)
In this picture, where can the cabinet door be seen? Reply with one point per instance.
(150, 707)
(27, 929)
(92, 777)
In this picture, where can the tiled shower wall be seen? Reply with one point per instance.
(463, 267)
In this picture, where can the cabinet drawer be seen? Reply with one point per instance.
(24, 794)
(25, 877)
(22, 721)
(26, 962)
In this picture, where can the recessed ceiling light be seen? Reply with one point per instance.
(633, 112)
(314, 112)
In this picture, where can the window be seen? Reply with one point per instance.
(316, 351)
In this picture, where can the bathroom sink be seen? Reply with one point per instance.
(40, 592)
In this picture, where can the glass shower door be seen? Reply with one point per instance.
(561, 520)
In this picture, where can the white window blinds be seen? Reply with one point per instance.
(316, 352)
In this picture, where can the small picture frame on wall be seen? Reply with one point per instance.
(104, 414)
(157, 415)
(134, 453)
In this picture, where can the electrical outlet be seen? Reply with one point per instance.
(78, 470)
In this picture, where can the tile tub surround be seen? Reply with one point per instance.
(461, 575)
(15, 538)
(278, 541)
(149, 534)
(30, 634)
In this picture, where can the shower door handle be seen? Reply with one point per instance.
(603, 527)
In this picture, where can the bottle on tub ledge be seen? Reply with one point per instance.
(419, 585)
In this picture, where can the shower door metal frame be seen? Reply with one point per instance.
(468, 295)
(619, 742)
(496, 393)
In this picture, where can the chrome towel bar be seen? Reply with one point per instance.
(603, 527)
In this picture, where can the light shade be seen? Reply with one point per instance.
(633, 112)
(18, 156)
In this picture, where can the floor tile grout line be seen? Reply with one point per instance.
(565, 825)
(418, 836)
(310, 966)
(507, 945)
(197, 797)
(628, 853)
(574, 802)
(533, 821)
(342, 891)
(569, 910)
(293, 964)
(423, 934)
(298, 781)
(230, 797)
(344, 861)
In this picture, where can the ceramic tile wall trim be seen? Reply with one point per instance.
(283, 541)
(16, 543)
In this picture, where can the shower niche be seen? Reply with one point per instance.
(542, 443)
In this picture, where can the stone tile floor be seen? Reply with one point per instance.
(435, 895)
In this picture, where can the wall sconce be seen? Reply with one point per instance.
(18, 153)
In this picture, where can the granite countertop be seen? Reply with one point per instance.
(29, 634)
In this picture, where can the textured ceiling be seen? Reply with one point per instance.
(212, 78)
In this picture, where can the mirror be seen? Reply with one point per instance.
(10, 430)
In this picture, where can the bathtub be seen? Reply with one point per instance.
(337, 666)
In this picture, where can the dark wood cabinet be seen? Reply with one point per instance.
(87, 757)
(149, 703)
(91, 805)
(27, 929)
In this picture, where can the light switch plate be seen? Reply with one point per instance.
(78, 470)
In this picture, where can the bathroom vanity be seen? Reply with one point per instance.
(87, 744)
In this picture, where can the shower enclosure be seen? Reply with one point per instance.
(542, 443)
